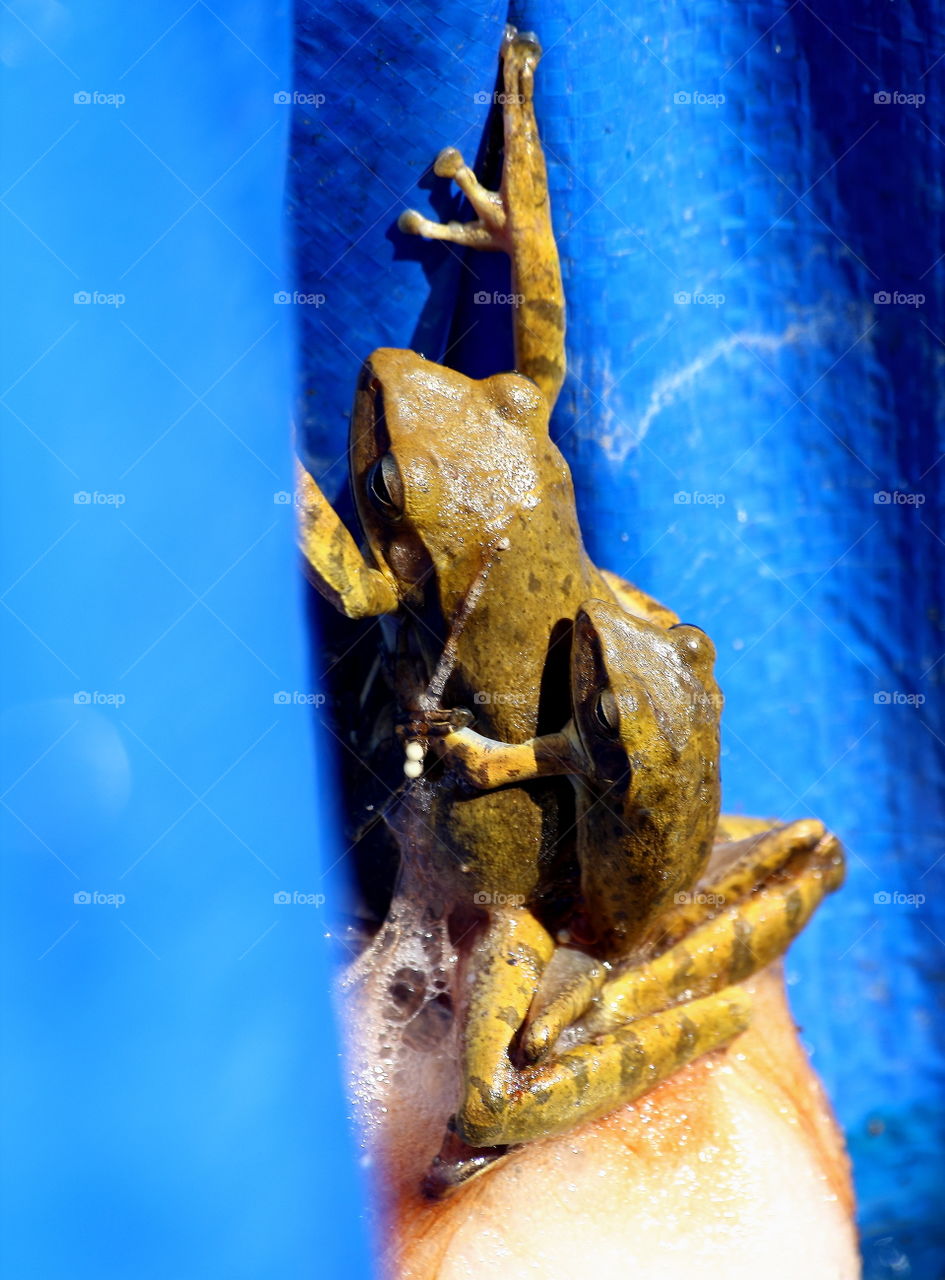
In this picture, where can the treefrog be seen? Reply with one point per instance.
(473, 543)
(474, 553)
(643, 751)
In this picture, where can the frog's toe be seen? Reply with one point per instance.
(448, 163)
(457, 1163)
(516, 41)
(411, 222)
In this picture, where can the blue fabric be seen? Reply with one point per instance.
(765, 456)
(171, 1098)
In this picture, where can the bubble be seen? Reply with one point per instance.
(429, 1027)
(407, 990)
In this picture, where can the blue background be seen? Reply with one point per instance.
(167, 1052)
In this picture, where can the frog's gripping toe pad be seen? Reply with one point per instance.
(458, 1163)
(525, 41)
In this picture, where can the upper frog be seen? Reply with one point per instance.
(468, 514)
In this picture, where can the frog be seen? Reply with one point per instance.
(473, 558)
(473, 551)
(642, 749)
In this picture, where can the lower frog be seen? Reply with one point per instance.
(661, 988)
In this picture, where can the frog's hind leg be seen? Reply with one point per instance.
(591, 1079)
(508, 966)
(745, 864)
(516, 220)
(728, 947)
(734, 925)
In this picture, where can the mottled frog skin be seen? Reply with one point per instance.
(473, 556)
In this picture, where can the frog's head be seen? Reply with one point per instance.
(440, 463)
(646, 710)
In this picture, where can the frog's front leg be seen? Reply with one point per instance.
(484, 763)
(334, 565)
(515, 220)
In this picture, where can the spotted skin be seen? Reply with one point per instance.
(503, 1105)
(472, 547)
(644, 734)
(729, 947)
(749, 862)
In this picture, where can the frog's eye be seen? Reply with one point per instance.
(606, 713)
(385, 488)
(694, 639)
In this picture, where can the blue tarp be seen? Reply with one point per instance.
(171, 1099)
